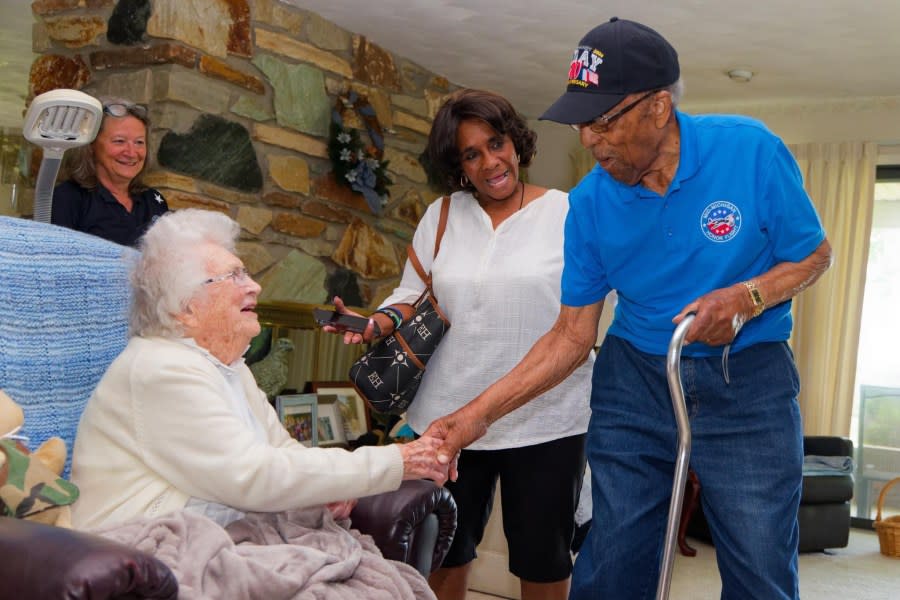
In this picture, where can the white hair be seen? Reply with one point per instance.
(676, 90)
(172, 267)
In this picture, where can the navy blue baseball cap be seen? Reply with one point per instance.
(614, 59)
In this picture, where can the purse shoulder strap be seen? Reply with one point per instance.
(442, 225)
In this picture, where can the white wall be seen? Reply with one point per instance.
(858, 119)
(552, 165)
(863, 119)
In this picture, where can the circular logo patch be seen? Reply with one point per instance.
(720, 221)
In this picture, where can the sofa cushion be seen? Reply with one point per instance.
(827, 489)
(63, 318)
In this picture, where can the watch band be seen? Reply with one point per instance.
(376, 329)
(759, 305)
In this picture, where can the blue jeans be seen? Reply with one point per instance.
(747, 450)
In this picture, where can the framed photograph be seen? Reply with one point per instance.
(354, 412)
(330, 424)
(299, 414)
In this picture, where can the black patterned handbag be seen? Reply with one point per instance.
(388, 375)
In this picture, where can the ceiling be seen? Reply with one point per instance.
(799, 50)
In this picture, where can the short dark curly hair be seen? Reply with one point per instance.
(441, 156)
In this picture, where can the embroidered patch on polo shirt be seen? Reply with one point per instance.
(720, 221)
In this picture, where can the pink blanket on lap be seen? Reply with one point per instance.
(295, 554)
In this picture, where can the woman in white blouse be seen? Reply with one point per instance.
(497, 277)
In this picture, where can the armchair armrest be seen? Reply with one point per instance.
(414, 524)
(827, 445)
(41, 561)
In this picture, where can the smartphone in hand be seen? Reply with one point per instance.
(340, 321)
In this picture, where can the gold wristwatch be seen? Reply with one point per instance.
(759, 304)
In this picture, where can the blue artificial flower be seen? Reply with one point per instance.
(364, 181)
(365, 174)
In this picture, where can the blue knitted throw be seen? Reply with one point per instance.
(64, 299)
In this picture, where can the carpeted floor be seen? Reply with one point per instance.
(857, 572)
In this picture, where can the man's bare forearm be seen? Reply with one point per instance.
(552, 358)
(785, 280)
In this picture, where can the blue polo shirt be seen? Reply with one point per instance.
(735, 208)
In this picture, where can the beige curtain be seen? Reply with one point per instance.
(840, 179)
(319, 356)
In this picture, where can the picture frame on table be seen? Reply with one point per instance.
(330, 424)
(354, 411)
(299, 414)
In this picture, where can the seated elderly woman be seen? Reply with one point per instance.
(178, 422)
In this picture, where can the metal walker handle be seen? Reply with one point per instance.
(673, 374)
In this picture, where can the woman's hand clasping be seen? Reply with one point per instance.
(420, 460)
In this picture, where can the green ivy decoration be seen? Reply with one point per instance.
(356, 165)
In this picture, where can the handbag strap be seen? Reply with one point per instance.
(442, 225)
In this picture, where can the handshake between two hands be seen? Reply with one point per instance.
(428, 457)
(422, 460)
(436, 453)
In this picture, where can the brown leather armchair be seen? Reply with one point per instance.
(414, 525)
(63, 309)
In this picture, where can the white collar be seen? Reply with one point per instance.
(192, 343)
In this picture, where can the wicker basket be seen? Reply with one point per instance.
(888, 529)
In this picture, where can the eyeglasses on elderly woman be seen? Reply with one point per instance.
(123, 109)
(239, 275)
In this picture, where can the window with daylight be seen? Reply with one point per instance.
(875, 424)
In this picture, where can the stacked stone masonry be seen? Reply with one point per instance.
(240, 95)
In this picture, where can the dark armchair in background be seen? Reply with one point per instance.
(63, 318)
(824, 514)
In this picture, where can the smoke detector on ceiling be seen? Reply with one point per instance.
(741, 75)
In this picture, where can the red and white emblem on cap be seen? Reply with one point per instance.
(583, 69)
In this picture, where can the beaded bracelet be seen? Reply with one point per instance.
(393, 314)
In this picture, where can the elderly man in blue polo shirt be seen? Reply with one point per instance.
(703, 214)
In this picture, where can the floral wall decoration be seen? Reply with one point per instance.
(355, 164)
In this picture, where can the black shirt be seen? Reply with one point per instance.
(97, 212)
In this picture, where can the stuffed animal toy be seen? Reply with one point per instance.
(30, 486)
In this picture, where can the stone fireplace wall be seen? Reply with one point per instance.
(240, 95)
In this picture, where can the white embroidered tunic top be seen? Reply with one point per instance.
(501, 291)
